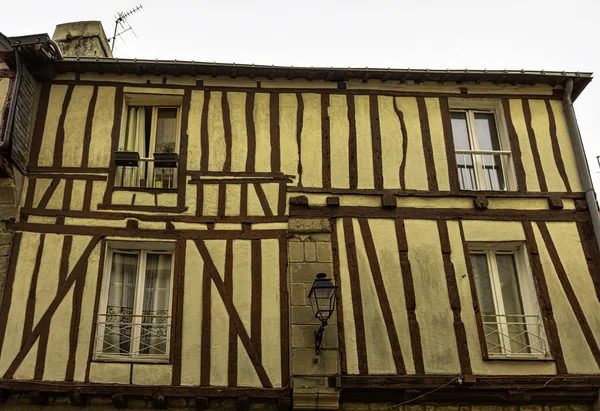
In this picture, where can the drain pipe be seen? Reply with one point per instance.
(582, 164)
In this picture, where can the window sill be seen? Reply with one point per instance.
(130, 360)
(519, 358)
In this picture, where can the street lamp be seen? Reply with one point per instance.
(322, 299)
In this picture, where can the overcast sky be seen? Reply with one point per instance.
(514, 34)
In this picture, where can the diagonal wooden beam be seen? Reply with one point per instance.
(263, 200)
(44, 323)
(49, 192)
(233, 314)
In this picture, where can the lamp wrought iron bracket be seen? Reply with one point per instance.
(319, 337)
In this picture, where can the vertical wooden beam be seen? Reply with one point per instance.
(177, 309)
(340, 302)
(87, 195)
(325, 142)
(114, 144)
(275, 134)
(30, 310)
(60, 132)
(66, 205)
(560, 165)
(96, 310)
(284, 320)
(427, 145)
(204, 140)
(543, 294)
(352, 145)
(206, 332)
(449, 144)
(515, 147)
(222, 200)
(409, 297)
(299, 126)
(402, 169)
(227, 134)
(87, 134)
(183, 148)
(251, 132)
(474, 298)
(233, 349)
(591, 252)
(534, 147)
(75, 320)
(359, 322)
(376, 142)
(454, 297)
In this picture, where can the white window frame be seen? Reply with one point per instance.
(141, 249)
(529, 299)
(470, 107)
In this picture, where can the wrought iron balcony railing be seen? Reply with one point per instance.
(515, 336)
(147, 173)
(483, 169)
(126, 336)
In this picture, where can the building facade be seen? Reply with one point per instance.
(174, 216)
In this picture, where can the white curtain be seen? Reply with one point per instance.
(155, 310)
(135, 140)
(121, 294)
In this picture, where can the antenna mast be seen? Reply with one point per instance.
(121, 21)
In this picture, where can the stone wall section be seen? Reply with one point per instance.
(310, 253)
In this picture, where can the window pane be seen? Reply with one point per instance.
(460, 130)
(485, 131)
(464, 162)
(155, 310)
(513, 305)
(485, 295)
(119, 310)
(166, 129)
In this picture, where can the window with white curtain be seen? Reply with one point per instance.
(507, 301)
(134, 319)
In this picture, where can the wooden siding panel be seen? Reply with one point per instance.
(216, 133)
(415, 171)
(527, 156)
(239, 149)
(338, 113)
(364, 144)
(104, 116)
(438, 143)
(349, 326)
(391, 142)
(288, 108)
(262, 124)
(194, 124)
(311, 141)
(433, 309)
(72, 149)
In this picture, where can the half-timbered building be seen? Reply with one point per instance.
(174, 216)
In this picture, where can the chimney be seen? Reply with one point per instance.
(83, 39)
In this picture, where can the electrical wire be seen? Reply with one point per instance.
(423, 395)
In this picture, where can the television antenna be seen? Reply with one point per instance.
(122, 24)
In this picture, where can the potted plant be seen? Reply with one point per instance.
(167, 158)
(127, 158)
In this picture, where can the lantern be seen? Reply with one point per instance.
(322, 297)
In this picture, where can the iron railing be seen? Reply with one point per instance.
(128, 335)
(514, 336)
(483, 169)
(146, 175)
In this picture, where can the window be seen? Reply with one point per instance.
(135, 312)
(480, 159)
(148, 151)
(508, 305)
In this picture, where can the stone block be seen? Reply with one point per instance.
(298, 293)
(3, 265)
(300, 382)
(4, 250)
(306, 272)
(5, 238)
(306, 362)
(296, 251)
(316, 399)
(354, 406)
(298, 337)
(324, 252)
(309, 225)
(320, 237)
(310, 252)
(330, 336)
(303, 315)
